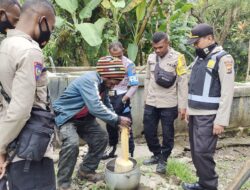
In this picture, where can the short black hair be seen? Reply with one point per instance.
(158, 36)
(8, 3)
(115, 45)
(37, 4)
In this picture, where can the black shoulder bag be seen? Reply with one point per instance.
(33, 140)
(163, 78)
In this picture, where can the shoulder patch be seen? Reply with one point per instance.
(229, 66)
(38, 68)
(181, 66)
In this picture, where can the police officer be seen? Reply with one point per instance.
(210, 96)
(24, 79)
(163, 102)
(120, 97)
(76, 110)
(9, 14)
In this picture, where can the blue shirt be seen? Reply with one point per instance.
(84, 91)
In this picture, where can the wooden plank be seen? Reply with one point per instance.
(241, 177)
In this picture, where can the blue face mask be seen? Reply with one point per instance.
(44, 35)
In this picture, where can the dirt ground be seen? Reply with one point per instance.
(230, 158)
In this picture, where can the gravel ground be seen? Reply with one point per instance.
(230, 157)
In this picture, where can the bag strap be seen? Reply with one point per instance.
(5, 95)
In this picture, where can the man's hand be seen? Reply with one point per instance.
(218, 129)
(125, 121)
(124, 99)
(3, 164)
(182, 113)
(187, 118)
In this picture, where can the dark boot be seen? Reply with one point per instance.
(90, 176)
(192, 186)
(152, 160)
(161, 167)
(109, 153)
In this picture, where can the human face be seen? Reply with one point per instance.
(118, 53)
(204, 42)
(161, 48)
(9, 17)
(110, 83)
(46, 26)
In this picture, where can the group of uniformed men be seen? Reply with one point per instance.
(204, 103)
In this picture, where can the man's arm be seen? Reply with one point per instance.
(226, 74)
(90, 94)
(182, 85)
(22, 98)
(146, 81)
(133, 82)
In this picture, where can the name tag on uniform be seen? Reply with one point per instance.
(211, 64)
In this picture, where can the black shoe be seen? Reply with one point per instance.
(161, 167)
(109, 153)
(152, 160)
(192, 186)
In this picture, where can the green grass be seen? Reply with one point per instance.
(246, 186)
(180, 170)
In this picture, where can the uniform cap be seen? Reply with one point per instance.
(199, 31)
(111, 67)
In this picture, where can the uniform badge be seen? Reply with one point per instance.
(181, 66)
(38, 68)
(229, 66)
(211, 64)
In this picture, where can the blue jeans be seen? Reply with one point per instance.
(151, 118)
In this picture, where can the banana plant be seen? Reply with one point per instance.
(119, 9)
(91, 32)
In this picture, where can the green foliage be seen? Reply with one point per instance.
(86, 12)
(132, 51)
(85, 28)
(246, 186)
(181, 170)
(68, 5)
(90, 33)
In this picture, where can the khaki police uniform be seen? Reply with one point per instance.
(24, 78)
(226, 74)
(163, 103)
(201, 122)
(161, 97)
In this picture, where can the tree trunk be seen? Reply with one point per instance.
(248, 68)
(229, 18)
(145, 20)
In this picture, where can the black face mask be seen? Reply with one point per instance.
(202, 53)
(44, 35)
(5, 25)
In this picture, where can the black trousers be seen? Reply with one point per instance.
(41, 175)
(151, 118)
(203, 145)
(113, 132)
